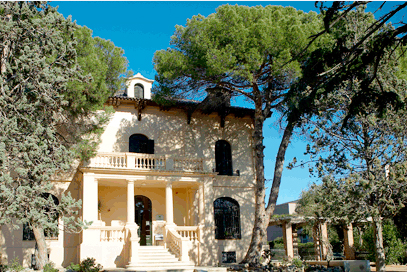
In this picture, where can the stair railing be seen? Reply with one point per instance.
(190, 232)
(132, 229)
(177, 245)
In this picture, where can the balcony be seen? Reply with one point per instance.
(147, 162)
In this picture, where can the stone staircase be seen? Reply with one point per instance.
(158, 258)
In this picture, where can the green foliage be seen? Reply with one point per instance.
(47, 109)
(252, 52)
(361, 46)
(87, 265)
(394, 247)
(103, 66)
(297, 262)
(15, 265)
(400, 220)
(335, 236)
(33, 143)
(50, 267)
(278, 243)
(359, 145)
(235, 49)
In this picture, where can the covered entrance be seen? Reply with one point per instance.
(143, 218)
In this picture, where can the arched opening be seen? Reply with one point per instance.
(139, 143)
(139, 91)
(143, 219)
(28, 234)
(223, 158)
(227, 218)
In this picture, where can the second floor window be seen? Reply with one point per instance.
(223, 158)
(138, 91)
(138, 143)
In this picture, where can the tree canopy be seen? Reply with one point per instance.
(359, 143)
(46, 111)
(248, 52)
(378, 40)
(243, 50)
(103, 67)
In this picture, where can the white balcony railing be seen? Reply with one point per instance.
(146, 162)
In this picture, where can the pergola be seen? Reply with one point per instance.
(290, 225)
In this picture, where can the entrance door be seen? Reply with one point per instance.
(143, 219)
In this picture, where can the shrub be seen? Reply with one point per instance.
(87, 265)
(297, 262)
(15, 265)
(395, 249)
(50, 267)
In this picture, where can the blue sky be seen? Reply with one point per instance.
(141, 28)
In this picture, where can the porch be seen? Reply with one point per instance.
(132, 208)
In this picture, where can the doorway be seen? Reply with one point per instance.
(143, 219)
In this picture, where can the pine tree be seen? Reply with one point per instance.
(43, 127)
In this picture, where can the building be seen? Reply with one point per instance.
(276, 231)
(170, 186)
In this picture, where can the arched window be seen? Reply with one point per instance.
(227, 218)
(28, 234)
(138, 91)
(223, 158)
(138, 143)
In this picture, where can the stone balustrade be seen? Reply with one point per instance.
(112, 234)
(190, 232)
(146, 162)
(178, 245)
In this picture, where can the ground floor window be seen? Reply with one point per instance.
(227, 218)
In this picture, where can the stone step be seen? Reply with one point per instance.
(161, 265)
(158, 258)
(168, 269)
(152, 249)
(155, 261)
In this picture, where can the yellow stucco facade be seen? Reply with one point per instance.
(178, 182)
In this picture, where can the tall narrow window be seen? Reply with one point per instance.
(223, 158)
(28, 234)
(139, 143)
(227, 218)
(138, 91)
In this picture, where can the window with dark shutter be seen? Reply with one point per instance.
(139, 143)
(227, 218)
(223, 158)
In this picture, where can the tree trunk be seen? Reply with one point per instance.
(42, 253)
(279, 167)
(261, 214)
(378, 238)
(260, 221)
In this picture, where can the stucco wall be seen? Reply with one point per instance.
(172, 136)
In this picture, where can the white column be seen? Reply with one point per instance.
(324, 237)
(288, 240)
(189, 206)
(348, 242)
(201, 205)
(91, 236)
(90, 198)
(169, 206)
(130, 202)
